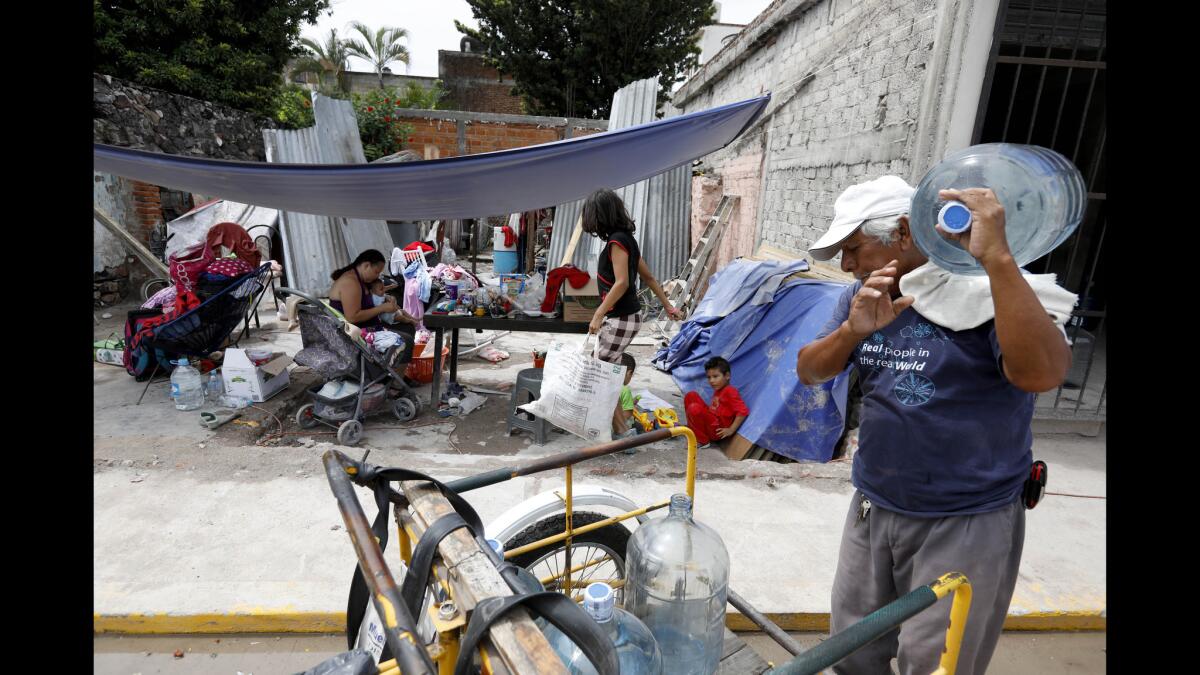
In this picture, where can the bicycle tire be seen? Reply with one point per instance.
(614, 537)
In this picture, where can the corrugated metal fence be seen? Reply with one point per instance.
(660, 206)
(314, 245)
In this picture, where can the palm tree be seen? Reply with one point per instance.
(379, 47)
(328, 58)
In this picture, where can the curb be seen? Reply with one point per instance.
(335, 622)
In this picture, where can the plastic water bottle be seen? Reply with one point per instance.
(186, 388)
(529, 583)
(677, 582)
(637, 650)
(215, 389)
(1043, 195)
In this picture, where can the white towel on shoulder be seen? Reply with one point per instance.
(960, 302)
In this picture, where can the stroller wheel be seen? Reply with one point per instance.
(305, 417)
(350, 432)
(404, 409)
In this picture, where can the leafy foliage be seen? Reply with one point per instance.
(381, 132)
(568, 57)
(225, 51)
(327, 60)
(379, 47)
(293, 108)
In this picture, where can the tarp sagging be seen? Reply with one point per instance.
(456, 187)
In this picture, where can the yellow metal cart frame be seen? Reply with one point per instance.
(451, 600)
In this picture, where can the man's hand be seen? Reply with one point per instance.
(674, 312)
(986, 240)
(597, 321)
(724, 433)
(872, 307)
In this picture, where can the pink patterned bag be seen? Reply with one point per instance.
(186, 266)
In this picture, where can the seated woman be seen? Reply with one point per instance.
(351, 295)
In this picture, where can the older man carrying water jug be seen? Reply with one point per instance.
(949, 371)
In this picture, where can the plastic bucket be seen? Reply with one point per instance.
(498, 241)
(420, 368)
(504, 262)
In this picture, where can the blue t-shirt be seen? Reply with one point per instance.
(943, 431)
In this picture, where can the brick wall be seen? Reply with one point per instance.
(852, 121)
(487, 132)
(474, 86)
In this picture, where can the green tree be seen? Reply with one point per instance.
(327, 60)
(225, 51)
(568, 57)
(381, 131)
(379, 47)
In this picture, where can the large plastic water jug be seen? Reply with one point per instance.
(677, 581)
(1043, 195)
(186, 389)
(637, 651)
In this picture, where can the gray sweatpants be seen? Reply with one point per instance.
(889, 554)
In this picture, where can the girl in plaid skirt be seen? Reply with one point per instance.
(618, 318)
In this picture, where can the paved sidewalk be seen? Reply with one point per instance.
(200, 531)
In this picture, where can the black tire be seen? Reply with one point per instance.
(613, 537)
(153, 286)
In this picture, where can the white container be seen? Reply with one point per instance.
(258, 383)
(186, 389)
(498, 240)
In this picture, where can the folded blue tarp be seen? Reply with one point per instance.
(759, 334)
(456, 187)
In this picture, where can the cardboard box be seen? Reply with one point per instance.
(257, 383)
(579, 304)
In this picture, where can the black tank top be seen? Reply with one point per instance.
(605, 278)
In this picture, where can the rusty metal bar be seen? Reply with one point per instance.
(558, 461)
(1063, 63)
(768, 626)
(1016, 76)
(1087, 371)
(399, 627)
(1037, 99)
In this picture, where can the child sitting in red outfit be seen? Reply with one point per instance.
(727, 412)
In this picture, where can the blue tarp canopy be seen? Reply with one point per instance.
(455, 187)
(758, 320)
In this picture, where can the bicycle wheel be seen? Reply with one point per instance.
(153, 286)
(605, 547)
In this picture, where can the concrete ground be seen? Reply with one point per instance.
(1017, 653)
(236, 530)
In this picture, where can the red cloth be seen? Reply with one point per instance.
(185, 301)
(704, 419)
(510, 237)
(572, 274)
(419, 246)
(232, 236)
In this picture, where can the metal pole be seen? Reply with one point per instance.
(769, 627)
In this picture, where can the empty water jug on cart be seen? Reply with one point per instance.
(637, 650)
(186, 389)
(1043, 195)
(677, 583)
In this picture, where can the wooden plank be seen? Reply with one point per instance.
(142, 253)
(570, 252)
(522, 647)
(738, 447)
(738, 658)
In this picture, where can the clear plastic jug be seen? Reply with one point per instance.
(186, 389)
(1043, 195)
(637, 651)
(677, 582)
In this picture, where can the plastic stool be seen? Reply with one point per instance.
(529, 381)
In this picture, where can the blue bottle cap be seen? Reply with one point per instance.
(955, 217)
(496, 546)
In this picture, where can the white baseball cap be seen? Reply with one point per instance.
(884, 196)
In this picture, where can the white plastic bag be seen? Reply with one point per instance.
(530, 299)
(579, 391)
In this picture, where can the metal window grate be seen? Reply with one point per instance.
(1046, 86)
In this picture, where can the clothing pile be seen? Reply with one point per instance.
(383, 340)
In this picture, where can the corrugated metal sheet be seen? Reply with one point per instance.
(660, 206)
(314, 246)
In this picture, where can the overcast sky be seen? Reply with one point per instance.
(430, 25)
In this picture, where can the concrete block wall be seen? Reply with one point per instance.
(853, 120)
